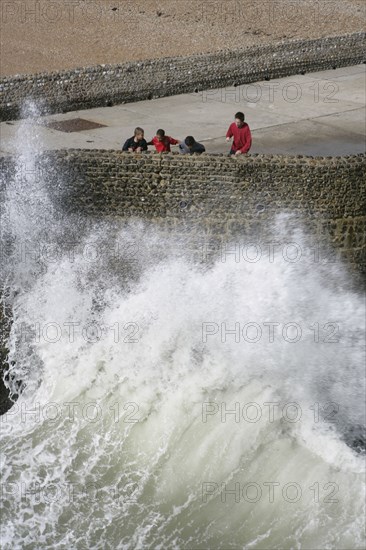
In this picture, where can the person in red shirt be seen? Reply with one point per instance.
(162, 142)
(240, 131)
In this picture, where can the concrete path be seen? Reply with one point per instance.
(319, 113)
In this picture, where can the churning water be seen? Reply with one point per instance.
(173, 404)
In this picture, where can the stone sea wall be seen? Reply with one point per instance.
(210, 199)
(214, 197)
(106, 85)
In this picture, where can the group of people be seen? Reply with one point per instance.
(239, 131)
(137, 143)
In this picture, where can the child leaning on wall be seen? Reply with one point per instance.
(191, 146)
(162, 142)
(137, 143)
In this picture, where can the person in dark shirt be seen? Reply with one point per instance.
(191, 146)
(137, 143)
(240, 131)
(162, 142)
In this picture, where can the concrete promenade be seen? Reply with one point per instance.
(314, 114)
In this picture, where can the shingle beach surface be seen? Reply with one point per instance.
(49, 36)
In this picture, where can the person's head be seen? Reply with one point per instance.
(239, 119)
(160, 134)
(189, 141)
(139, 133)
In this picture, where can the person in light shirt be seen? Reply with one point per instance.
(240, 131)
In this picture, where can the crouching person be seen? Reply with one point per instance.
(137, 143)
(191, 146)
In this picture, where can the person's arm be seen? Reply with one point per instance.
(229, 133)
(150, 142)
(126, 145)
(173, 141)
(247, 140)
(183, 148)
(143, 145)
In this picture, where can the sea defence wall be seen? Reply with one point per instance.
(107, 85)
(209, 199)
(214, 197)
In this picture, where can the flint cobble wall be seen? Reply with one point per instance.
(107, 85)
(208, 198)
(213, 196)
